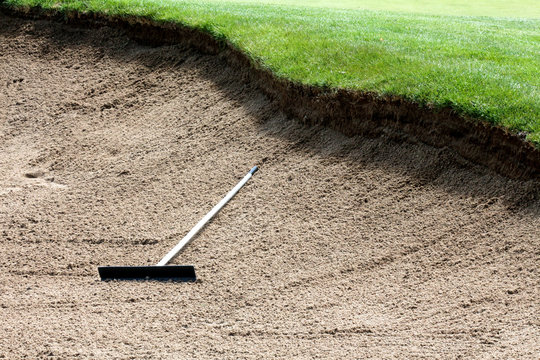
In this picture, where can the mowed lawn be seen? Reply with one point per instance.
(494, 8)
(482, 58)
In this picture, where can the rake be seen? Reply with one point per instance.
(162, 271)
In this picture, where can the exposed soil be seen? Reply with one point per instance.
(340, 247)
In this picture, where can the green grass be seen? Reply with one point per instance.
(485, 67)
(493, 8)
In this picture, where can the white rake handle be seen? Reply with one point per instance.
(171, 254)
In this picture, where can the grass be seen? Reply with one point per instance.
(484, 67)
(493, 8)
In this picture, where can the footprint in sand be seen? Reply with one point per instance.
(40, 178)
(34, 174)
(34, 178)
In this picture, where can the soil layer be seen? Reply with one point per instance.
(339, 247)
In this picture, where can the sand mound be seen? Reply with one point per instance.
(340, 247)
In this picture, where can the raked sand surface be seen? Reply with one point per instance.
(338, 248)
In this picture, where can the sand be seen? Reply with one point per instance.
(338, 248)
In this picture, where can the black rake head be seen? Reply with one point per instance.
(173, 273)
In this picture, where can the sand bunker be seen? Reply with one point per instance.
(338, 248)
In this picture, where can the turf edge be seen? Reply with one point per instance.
(350, 112)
